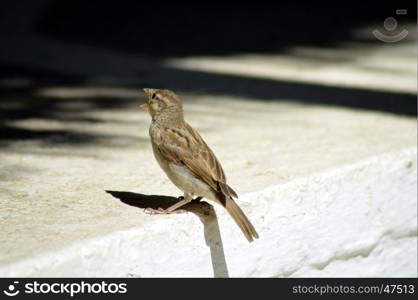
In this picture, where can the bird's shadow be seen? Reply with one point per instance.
(202, 209)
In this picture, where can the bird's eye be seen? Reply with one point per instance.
(153, 96)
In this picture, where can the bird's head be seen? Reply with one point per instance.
(163, 103)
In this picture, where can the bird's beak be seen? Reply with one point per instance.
(149, 93)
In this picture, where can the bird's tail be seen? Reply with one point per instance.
(227, 194)
(241, 219)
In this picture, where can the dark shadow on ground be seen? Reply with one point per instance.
(203, 210)
(57, 43)
(24, 103)
(280, 90)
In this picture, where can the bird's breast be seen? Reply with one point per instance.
(186, 181)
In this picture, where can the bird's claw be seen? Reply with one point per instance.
(160, 211)
(153, 211)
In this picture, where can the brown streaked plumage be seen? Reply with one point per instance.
(187, 160)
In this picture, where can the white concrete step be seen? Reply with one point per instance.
(331, 191)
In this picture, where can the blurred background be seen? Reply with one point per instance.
(105, 52)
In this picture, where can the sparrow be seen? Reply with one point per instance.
(187, 160)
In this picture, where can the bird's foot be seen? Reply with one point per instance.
(197, 199)
(160, 211)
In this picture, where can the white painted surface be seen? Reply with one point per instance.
(359, 220)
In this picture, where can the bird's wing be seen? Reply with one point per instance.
(184, 146)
